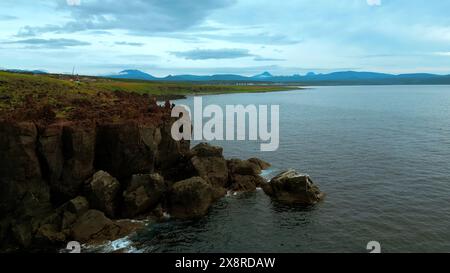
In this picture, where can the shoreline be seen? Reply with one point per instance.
(76, 164)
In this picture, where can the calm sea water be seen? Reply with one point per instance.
(380, 153)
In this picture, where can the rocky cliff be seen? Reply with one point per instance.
(78, 177)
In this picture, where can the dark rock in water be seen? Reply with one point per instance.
(95, 227)
(191, 198)
(243, 167)
(209, 163)
(293, 188)
(246, 183)
(263, 165)
(244, 175)
(103, 193)
(206, 150)
(143, 194)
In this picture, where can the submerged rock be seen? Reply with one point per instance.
(293, 188)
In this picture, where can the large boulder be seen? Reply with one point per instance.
(94, 227)
(244, 175)
(103, 193)
(191, 198)
(246, 183)
(209, 163)
(206, 150)
(243, 167)
(77, 206)
(143, 194)
(263, 165)
(293, 188)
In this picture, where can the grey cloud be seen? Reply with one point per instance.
(140, 57)
(135, 16)
(49, 43)
(263, 59)
(206, 54)
(129, 43)
(259, 38)
(7, 17)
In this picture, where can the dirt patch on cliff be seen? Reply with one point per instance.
(100, 106)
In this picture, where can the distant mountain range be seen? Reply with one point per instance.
(26, 71)
(335, 78)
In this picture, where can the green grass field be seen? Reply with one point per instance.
(25, 97)
(16, 87)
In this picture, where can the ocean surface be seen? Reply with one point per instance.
(380, 153)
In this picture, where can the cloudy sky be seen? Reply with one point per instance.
(164, 37)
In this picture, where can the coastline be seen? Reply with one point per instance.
(77, 165)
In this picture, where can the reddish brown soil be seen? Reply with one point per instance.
(99, 107)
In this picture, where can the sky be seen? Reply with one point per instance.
(162, 37)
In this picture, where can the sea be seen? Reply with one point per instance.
(380, 153)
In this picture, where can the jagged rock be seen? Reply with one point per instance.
(23, 233)
(103, 193)
(67, 155)
(24, 195)
(127, 148)
(50, 148)
(244, 175)
(293, 188)
(190, 198)
(206, 150)
(50, 235)
(246, 183)
(95, 227)
(263, 165)
(143, 194)
(18, 160)
(68, 220)
(209, 163)
(171, 158)
(78, 205)
(243, 167)
(212, 169)
(78, 150)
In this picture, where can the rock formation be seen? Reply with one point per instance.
(293, 188)
(143, 194)
(75, 180)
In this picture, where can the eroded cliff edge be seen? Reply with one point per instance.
(78, 177)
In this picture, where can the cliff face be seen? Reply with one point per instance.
(45, 166)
